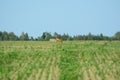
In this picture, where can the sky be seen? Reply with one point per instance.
(62, 16)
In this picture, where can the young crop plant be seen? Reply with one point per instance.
(72, 60)
(69, 65)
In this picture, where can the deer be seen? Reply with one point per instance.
(59, 40)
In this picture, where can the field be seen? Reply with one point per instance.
(72, 60)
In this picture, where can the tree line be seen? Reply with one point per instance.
(11, 36)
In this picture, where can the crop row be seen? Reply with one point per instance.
(88, 60)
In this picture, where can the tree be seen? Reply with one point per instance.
(32, 38)
(55, 34)
(24, 36)
(12, 36)
(43, 36)
(90, 37)
(65, 36)
(101, 36)
(117, 35)
(46, 36)
(5, 36)
(78, 37)
(1, 36)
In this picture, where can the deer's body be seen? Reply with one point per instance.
(59, 40)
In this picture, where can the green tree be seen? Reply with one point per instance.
(43, 36)
(101, 36)
(26, 36)
(22, 36)
(78, 37)
(32, 38)
(5, 36)
(12, 36)
(117, 35)
(90, 37)
(56, 35)
(46, 36)
(65, 37)
(1, 36)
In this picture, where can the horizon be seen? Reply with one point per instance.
(61, 34)
(69, 17)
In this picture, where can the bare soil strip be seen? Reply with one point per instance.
(38, 74)
(44, 74)
(55, 71)
(85, 74)
(14, 74)
(92, 75)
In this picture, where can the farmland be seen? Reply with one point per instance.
(72, 60)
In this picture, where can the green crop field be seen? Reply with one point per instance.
(72, 60)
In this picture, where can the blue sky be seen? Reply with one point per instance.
(61, 16)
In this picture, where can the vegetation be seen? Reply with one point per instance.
(5, 36)
(72, 60)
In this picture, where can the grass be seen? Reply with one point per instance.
(72, 60)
